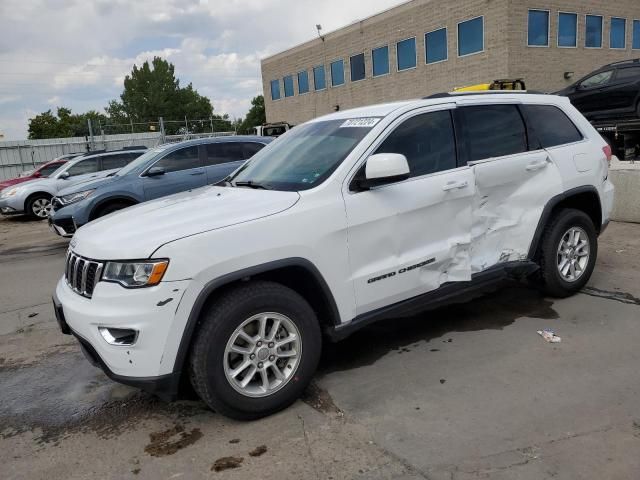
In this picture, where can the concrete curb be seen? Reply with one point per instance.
(625, 176)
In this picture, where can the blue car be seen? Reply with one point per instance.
(161, 171)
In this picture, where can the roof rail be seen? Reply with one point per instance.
(134, 147)
(483, 92)
(622, 62)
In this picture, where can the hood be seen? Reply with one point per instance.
(87, 185)
(138, 231)
(14, 181)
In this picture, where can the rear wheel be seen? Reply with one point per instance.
(39, 206)
(569, 251)
(256, 350)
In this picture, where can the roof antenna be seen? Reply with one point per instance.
(319, 29)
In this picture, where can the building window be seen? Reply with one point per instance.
(303, 82)
(471, 36)
(435, 46)
(357, 67)
(538, 30)
(618, 34)
(319, 80)
(275, 90)
(337, 73)
(567, 30)
(406, 52)
(636, 35)
(380, 58)
(288, 86)
(593, 37)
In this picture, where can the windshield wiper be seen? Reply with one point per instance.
(252, 184)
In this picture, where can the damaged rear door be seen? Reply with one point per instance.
(409, 237)
(513, 182)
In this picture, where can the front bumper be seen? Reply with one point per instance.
(11, 206)
(144, 364)
(65, 226)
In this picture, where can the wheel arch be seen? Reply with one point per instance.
(585, 198)
(34, 194)
(111, 199)
(299, 274)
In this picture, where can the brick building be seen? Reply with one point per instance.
(427, 46)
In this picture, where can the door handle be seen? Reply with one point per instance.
(538, 165)
(455, 185)
(197, 173)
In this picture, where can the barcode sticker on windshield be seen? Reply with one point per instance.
(360, 122)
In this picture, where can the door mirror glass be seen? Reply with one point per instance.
(384, 168)
(156, 172)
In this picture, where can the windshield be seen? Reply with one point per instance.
(141, 160)
(305, 156)
(60, 169)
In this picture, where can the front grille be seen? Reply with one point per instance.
(82, 274)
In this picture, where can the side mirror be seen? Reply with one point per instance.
(37, 174)
(64, 175)
(383, 168)
(155, 172)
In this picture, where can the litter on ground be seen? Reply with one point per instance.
(549, 336)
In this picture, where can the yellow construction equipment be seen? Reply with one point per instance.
(504, 84)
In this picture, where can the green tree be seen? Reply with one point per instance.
(63, 124)
(152, 91)
(256, 115)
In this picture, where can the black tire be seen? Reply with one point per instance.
(217, 325)
(110, 208)
(31, 207)
(552, 281)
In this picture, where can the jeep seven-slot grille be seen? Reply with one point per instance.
(82, 274)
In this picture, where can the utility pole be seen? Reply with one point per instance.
(162, 134)
(91, 144)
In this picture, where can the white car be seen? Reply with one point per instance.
(33, 198)
(348, 219)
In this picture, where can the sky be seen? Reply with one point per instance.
(76, 53)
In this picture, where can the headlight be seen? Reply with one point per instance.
(8, 192)
(135, 274)
(74, 197)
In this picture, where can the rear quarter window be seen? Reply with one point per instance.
(550, 126)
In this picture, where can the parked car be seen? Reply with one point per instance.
(161, 171)
(43, 171)
(33, 198)
(345, 220)
(609, 92)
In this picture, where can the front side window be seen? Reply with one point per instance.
(303, 82)
(305, 156)
(319, 80)
(597, 80)
(636, 34)
(182, 159)
(356, 64)
(618, 34)
(83, 167)
(550, 125)
(436, 46)
(223, 152)
(538, 30)
(471, 36)
(593, 36)
(249, 149)
(428, 142)
(380, 58)
(406, 52)
(337, 73)
(288, 86)
(492, 131)
(567, 30)
(275, 90)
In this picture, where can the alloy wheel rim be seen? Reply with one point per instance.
(263, 354)
(573, 254)
(41, 207)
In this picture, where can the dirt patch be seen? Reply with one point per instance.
(225, 463)
(258, 451)
(319, 399)
(170, 441)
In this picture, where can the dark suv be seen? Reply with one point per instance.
(610, 91)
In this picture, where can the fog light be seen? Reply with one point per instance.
(122, 337)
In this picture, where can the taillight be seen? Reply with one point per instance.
(608, 153)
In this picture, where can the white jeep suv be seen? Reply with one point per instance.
(345, 220)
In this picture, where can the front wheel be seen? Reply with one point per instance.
(39, 206)
(569, 251)
(256, 350)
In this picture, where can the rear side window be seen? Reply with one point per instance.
(183, 159)
(110, 162)
(426, 140)
(223, 152)
(627, 73)
(550, 126)
(85, 166)
(492, 131)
